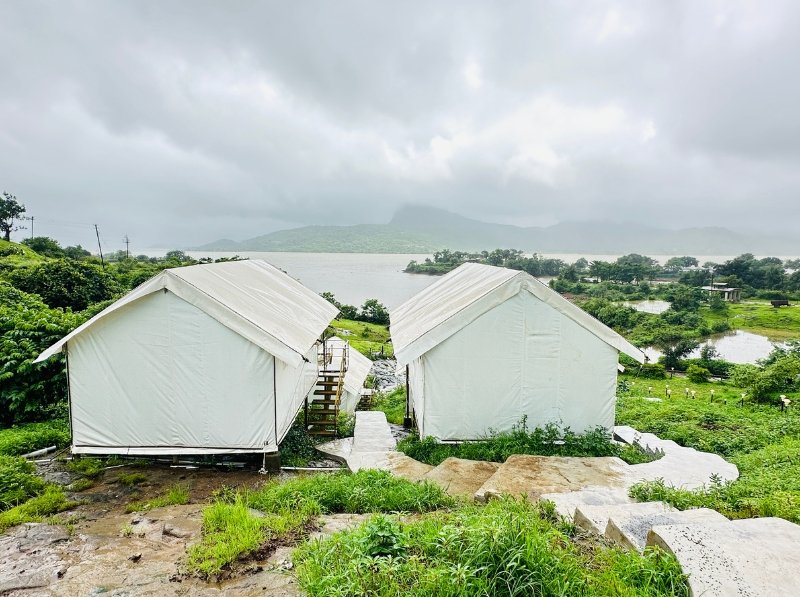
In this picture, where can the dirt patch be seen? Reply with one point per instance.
(101, 549)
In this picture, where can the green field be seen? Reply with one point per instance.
(762, 318)
(367, 338)
(18, 255)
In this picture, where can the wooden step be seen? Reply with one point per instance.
(325, 392)
(320, 401)
(322, 432)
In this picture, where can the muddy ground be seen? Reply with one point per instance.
(99, 549)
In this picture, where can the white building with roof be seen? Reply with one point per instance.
(205, 359)
(485, 346)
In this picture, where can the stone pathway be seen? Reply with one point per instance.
(752, 557)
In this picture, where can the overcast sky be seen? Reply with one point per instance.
(183, 122)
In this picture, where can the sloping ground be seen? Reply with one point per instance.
(752, 557)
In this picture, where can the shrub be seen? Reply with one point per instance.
(653, 371)
(697, 374)
(550, 440)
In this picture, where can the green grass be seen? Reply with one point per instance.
(364, 491)
(507, 547)
(23, 439)
(36, 509)
(393, 404)
(177, 495)
(366, 338)
(18, 255)
(550, 440)
(18, 481)
(232, 532)
(762, 441)
(131, 479)
(91, 468)
(760, 318)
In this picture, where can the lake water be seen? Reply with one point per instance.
(351, 277)
(737, 347)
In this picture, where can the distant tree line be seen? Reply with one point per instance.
(447, 260)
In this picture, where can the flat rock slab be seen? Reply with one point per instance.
(630, 529)
(566, 503)
(594, 519)
(458, 476)
(338, 449)
(534, 476)
(406, 467)
(372, 432)
(754, 557)
(685, 468)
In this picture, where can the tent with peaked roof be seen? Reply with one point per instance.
(203, 359)
(485, 346)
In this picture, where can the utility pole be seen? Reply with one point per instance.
(32, 219)
(127, 247)
(97, 233)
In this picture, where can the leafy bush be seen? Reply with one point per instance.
(505, 548)
(15, 441)
(18, 481)
(91, 468)
(653, 371)
(66, 283)
(550, 440)
(29, 391)
(697, 374)
(393, 404)
(298, 448)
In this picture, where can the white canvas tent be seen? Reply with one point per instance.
(203, 359)
(358, 368)
(486, 346)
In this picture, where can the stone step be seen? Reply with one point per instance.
(458, 476)
(534, 476)
(629, 529)
(594, 519)
(594, 496)
(753, 557)
(685, 468)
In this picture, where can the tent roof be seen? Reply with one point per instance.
(252, 298)
(358, 367)
(466, 293)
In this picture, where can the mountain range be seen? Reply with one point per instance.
(423, 229)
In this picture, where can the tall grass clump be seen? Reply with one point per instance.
(51, 501)
(393, 404)
(509, 547)
(357, 493)
(550, 440)
(15, 441)
(177, 495)
(18, 481)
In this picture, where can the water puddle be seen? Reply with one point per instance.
(653, 306)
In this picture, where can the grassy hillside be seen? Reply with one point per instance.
(16, 255)
(366, 338)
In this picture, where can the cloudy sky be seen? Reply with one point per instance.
(183, 122)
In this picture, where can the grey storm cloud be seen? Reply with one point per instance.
(182, 122)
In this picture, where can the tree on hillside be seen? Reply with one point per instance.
(44, 245)
(10, 210)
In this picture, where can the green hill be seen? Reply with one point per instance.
(16, 254)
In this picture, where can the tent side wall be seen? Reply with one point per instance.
(159, 376)
(520, 358)
(293, 385)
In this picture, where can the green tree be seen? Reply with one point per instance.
(66, 283)
(10, 210)
(374, 312)
(44, 245)
(77, 252)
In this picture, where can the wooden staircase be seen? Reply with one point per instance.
(322, 412)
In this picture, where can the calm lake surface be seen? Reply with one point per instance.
(736, 346)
